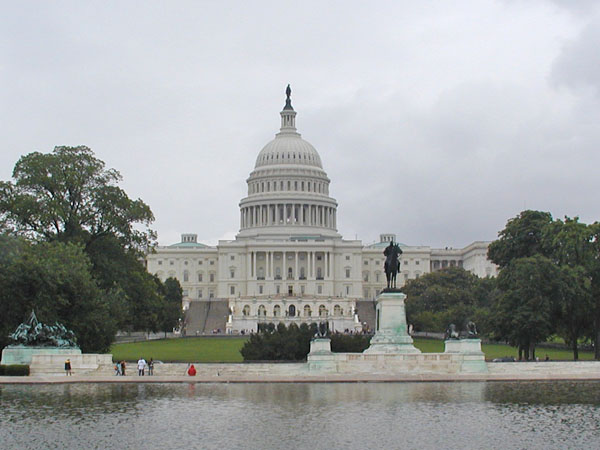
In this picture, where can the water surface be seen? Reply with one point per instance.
(333, 416)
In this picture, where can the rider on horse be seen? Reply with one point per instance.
(392, 265)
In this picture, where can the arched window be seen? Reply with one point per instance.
(337, 310)
(262, 311)
(307, 311)
(292, 311)
(246, 310)
(276, 310)
(322, 311)
(186, 275)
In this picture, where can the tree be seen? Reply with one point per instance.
(569, 244)
(54, 279)
(451, 295)
(525, 313)
(68, 195)
(171, 305)
(521, 238)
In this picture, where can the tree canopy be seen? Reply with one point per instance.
(72, 242)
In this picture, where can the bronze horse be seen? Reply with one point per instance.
(392, 265)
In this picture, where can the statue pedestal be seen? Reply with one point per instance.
(320, 358)
(20, 354)
(473, 359)
(391, 331)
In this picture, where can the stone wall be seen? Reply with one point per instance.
(86, 363)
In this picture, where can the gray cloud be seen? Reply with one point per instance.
(458, 114)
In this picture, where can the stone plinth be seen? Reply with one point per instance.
(320, 358)
(19, 354)
(54, 364)
(470, 349)
(391, 331)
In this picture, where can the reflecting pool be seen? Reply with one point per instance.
(314, 416)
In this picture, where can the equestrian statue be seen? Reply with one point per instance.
(392, 265)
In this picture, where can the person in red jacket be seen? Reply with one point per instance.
(191, 371)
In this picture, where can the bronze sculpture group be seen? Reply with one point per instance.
(37, 334)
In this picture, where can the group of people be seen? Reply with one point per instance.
(142, 366)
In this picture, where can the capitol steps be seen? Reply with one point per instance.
(204, 316)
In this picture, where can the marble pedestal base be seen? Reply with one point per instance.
(391, 335)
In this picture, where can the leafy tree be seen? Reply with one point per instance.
(521, 238)
(452, 295)
(54, 279)
(570, 245)
(525, 312)
(171, 305)
(68, 195)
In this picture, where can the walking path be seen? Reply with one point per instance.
(322, 378)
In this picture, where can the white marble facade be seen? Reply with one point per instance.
(288, 262)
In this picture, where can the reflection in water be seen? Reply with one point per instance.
(337, 415)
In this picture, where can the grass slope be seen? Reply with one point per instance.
(228, 350)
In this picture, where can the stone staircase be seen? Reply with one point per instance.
(204, 316)
(366, 312)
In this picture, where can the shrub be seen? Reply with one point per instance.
(14, 370)
(349, 343)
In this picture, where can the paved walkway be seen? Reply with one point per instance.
(322, 378)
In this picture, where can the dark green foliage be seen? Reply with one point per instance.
(171, 310)
(349, 343)
(82, 265)
(521, 238)
(14, 370)
(451, 295)
(281, 343)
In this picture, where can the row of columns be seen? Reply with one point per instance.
(311, 266)
(288, 214)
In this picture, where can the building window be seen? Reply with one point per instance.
(199, 263)
(290, 290)
(377, 277)
(186, 276)
(211, 262)
(212, 277)
(417, 262)
(366, 277)
(278, 273)
(232, 258)
(231, 290)
(172, 263)
(232, 273)
(322, 311)
(366, 263)
(319, 273)
(211, 294)
(302, 289)
(262, 311)
(290, 275)
(337, 310)
(292, 311)
(260, 288)
(185, 263)
(185, 293)
(199, 293)
(347, 273)
(160, 262)
(246, 310)
(320, 289)
(276, 311)
(307, 311)
(347, 290)
(347, 257)
(278, 289)
(200, 277)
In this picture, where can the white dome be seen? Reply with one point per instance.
(288, 148)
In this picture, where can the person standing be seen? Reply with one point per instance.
(68, 367)
(141, 367)
(123, 367)
(151, 367)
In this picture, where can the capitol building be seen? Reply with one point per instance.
(288, 263)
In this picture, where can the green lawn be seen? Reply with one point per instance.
(199, 349)
(215, 349)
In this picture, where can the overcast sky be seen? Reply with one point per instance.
(435, 120)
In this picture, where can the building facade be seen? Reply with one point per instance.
(288, 262)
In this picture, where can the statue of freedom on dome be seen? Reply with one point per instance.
(288, 100)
